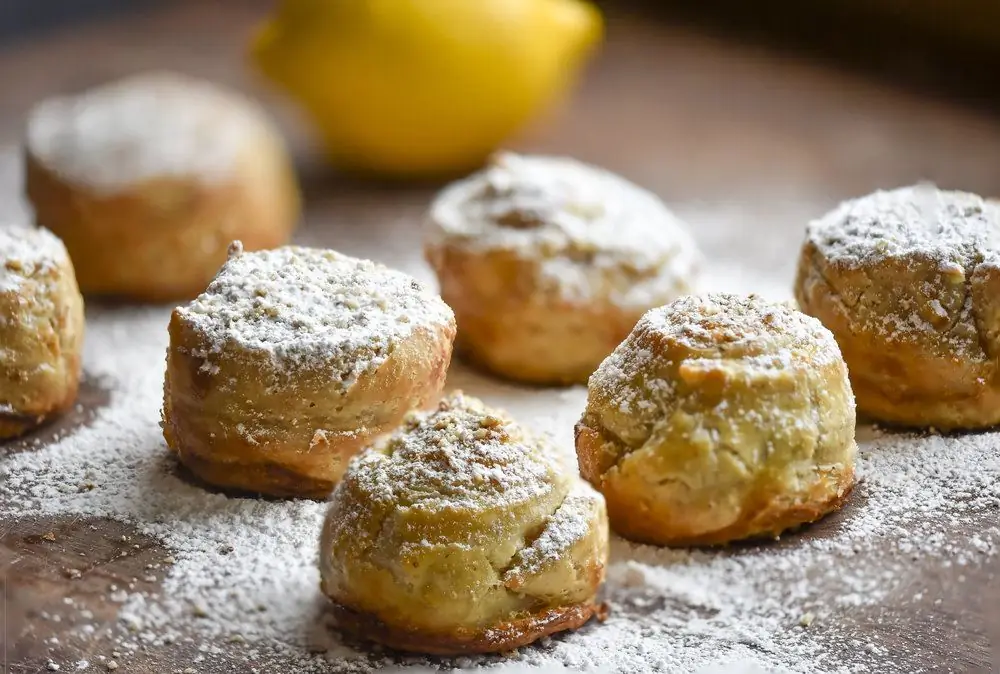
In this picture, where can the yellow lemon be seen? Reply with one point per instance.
(415, 87)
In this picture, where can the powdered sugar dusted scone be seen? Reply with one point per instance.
(148, 179)
(462, 533)
(549, 263)
(909, 283)
(719, 418)
(292, 360)
(41, 329)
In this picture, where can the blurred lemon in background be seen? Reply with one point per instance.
(417, 87)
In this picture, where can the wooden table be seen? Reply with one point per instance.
(763, 142)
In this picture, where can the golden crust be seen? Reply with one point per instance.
(549, 263)
(512, 330)
(161, 237)
(41, 331)
(912, 303)
(284, 423)
(462, 510)
(497, 639)
(718, 419)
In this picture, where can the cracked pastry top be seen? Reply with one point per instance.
(147, 179)
(292, 360)
(41, 329)
(462, 533)
(549, 263)
(908, 281)
(719, 418)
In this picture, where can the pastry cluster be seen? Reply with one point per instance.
(301, 372)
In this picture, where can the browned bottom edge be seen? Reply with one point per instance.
(501, 638)
(269, 479)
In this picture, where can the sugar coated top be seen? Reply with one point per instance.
(148, 126)
(27, 252)
(461, 455)
(309, 308)
(574, 220)
(918, 221)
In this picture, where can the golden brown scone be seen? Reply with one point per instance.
(548, 264)
(41, 329)
(149, 178)
(462, 533)
(719, 418)
(908, 281)
(294, 359)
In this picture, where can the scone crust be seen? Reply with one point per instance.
(909, 283)
(462, 510)
(720, 418)
(41, 330)
(271, 411)
(161, 235)
(549, 263)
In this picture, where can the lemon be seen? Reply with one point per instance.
(417, 87)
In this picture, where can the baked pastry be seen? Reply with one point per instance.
(149, 178)
(294, 359)
(719, 418)
(41, 329)
(908, 281)
(548, 263)
(462, 533)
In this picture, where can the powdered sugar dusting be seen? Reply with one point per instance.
(955, 228)
(28, 253)
(569, 524)
(765, 336)
(248, 567)
(309, 308)
(460, 456)
(154, 125)
(593, 234)
(905, 264)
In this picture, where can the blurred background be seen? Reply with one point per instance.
(745, 116)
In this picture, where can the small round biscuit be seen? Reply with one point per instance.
(719, 418)
(41, 329)
(548, 263)
(462, 533)
(908, 281)
(149, 178)
(293, 360)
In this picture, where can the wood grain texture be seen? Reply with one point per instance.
(763, 142)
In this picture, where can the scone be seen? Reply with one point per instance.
(909, 283)
(294, 359)
(548, 264)
(149, 178)
(41, 329)
(462, 533)
(719, 418)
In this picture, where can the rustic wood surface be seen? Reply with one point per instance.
(765, 138)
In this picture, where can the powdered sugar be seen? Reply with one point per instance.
(155, 125)
(908, 266)
(957, 229)
(592, 233)
(460, 456)
(308, 308)
(27, 253)
(248, 567)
